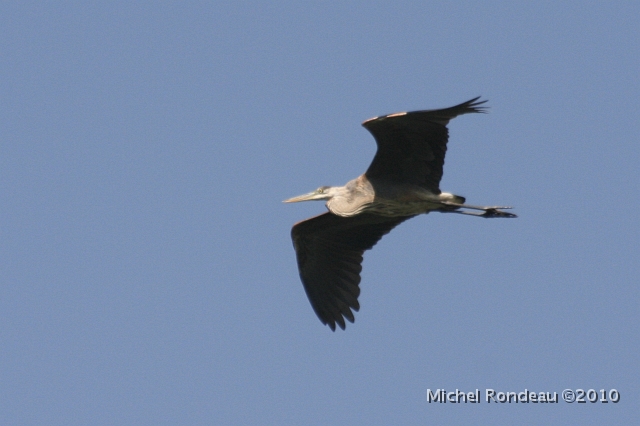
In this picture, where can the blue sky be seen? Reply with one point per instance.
(148, 275)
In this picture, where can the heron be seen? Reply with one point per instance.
(402, 181)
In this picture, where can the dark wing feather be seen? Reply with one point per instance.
(329, 250)
(412, 145)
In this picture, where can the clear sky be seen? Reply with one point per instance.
(147, 275)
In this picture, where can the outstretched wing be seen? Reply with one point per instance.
(412, 145)
(329, 250)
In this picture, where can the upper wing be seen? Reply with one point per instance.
(329, 250)
(412, 145)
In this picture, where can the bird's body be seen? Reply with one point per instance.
(401, 182)
(363, 195)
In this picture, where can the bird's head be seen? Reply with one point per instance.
(322, 193)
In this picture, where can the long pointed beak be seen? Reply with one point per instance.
(306, 197)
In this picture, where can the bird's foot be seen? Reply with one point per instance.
(495, 212)
(487, 212)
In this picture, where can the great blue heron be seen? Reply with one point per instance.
(402, 182)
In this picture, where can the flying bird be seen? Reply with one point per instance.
(402, 181)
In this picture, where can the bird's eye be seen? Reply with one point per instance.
(320, 190)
